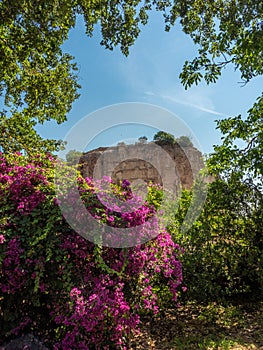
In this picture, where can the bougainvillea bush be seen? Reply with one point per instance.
(74, 293)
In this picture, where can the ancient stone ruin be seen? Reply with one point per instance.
(162, 163)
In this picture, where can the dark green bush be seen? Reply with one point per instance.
(223, 248)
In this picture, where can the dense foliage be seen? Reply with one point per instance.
(54, 283)
(184, 141)
(224, 246)
(73, 157)
(164, 137)
(245, 158)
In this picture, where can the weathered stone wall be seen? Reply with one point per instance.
(158, 163)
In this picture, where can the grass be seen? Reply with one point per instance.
(226, 326)
(210, 342)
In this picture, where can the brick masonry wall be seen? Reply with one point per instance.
(145, 162)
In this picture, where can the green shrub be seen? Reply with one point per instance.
(223, 248)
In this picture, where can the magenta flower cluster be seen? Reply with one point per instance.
(87, 296)
(21, 184)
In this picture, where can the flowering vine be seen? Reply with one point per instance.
(56, 282)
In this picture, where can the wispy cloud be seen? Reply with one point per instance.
(200, 107)
(186, 102)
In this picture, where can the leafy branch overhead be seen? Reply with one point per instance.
(38, 82)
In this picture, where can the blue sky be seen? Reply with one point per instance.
(150, 74)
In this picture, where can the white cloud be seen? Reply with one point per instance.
(193, 105)
(198, 100)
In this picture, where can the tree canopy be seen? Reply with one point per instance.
(184, 141)
(164, 137)
(38, 82)
(73, 156)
